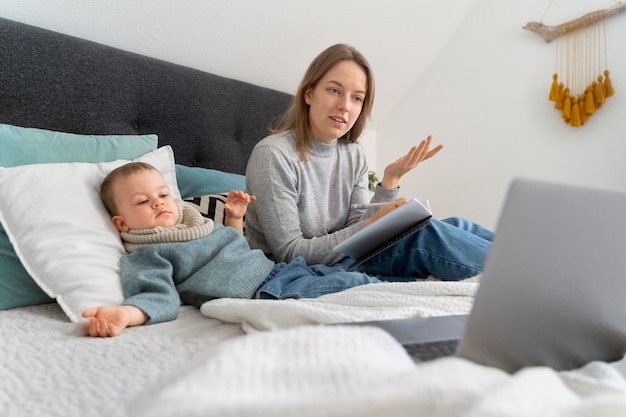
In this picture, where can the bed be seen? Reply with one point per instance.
(71, 108)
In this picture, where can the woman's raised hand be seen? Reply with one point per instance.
(416, 155)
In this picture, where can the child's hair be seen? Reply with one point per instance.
(106, 188)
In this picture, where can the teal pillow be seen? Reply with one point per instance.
(17, 288)
(24, 146)
(195, 181)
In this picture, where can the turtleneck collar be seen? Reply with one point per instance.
(191, 225)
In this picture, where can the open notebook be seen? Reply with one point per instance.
(385, 232)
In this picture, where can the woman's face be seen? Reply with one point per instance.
(335, 103)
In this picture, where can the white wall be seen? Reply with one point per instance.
(268, 42)
(462, 70)
(485, 99)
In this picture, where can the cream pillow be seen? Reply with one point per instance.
(61, 231)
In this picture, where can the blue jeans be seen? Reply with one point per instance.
(296, 279)
(451, 249)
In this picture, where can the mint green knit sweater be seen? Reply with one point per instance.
(156, 277)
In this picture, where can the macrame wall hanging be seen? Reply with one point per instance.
(581, 82)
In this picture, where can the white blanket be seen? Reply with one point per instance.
(369, 302)
(304, 369)
(335, 371)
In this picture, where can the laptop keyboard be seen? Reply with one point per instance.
(421, 352)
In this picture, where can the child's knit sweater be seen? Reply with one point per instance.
(156, 276)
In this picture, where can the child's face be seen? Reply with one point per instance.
(143, 201)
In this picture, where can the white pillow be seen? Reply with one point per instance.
(61, 231)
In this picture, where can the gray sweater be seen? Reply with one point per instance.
(303, 207)
(156, 277)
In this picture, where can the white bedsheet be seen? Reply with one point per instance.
(49, 369)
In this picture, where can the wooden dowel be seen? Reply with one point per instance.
(549, 33)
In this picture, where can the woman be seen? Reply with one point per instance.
(309, 172)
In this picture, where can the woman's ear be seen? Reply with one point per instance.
(119, 223)
(307, 95)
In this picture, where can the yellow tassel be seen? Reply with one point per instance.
(584, 116)
(558, 104)
(590, 107)
(567, 106)
(575, 120)
(608, 85)
(598, 92)
(554, 90)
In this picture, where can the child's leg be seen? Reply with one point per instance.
(298, 280)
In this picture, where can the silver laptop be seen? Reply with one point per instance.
(553, 286)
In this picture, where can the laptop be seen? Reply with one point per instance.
(553, 285)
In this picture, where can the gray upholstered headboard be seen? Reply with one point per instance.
(57, 82)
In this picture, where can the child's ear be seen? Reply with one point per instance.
(119, 223)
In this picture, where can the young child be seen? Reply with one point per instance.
(174, 254)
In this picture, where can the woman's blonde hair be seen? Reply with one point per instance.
(296, 118)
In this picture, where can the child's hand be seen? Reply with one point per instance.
(111, 321)
(237, 203)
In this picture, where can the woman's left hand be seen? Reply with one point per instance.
(388, 208)
(416, 155)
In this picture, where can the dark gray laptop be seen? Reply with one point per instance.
(552, 290)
